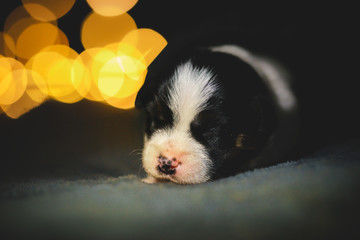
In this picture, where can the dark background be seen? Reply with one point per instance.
(315, 42)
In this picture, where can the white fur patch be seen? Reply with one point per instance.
(275, 77)
(189, 92)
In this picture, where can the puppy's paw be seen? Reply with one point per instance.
(150, 180)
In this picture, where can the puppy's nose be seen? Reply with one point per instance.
(166, 165)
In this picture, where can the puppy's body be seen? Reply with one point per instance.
(219, 111)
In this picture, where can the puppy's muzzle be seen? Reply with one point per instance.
(167, 166)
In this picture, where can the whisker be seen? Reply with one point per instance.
(136, 151)
(140, 172)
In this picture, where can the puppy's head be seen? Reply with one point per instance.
(183, 126)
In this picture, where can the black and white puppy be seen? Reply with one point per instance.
(214, 112)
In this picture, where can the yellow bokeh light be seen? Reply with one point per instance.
(129, 86)
(32, 90)
(114, 77)
(148, 42)
(63, 50)
(16, 23)
(124, 50)
(98, 61)
(111, 69)
(12, 86)
(117, 69)
(5, 69)
(18, 20)
(48, 10)
(123, 103)
(15, 30)
(82, 77)
(18, 14)
(32, 98)
(131, 66)
(13, 80)
(111, 77)
(5, 65)
(21, 106)
(131, 60)
(98, 31)
(7, 45)
(59, 82)
(40, 12)
(56, 72)
(36, 37)
(110, 8)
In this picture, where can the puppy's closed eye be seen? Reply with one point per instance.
(205, 119)
(158, 116)
(205, 125)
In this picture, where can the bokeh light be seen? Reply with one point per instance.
(32, 90)
(146, 41)
(36, 37)
(123, 103)
(7, 45)
(110, 8)
(17, 15)
(56, 71)
(31, 98)
(82, 76)
(37, 64)
(13, 80)
(98, 31)
(47, 10)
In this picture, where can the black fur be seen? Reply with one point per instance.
(239, 119)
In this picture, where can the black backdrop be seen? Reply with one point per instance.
(316, 42)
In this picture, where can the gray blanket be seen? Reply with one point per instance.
(315, 197)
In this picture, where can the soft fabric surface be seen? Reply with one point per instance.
(315, 197)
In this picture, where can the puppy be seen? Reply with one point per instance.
(213, 112)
